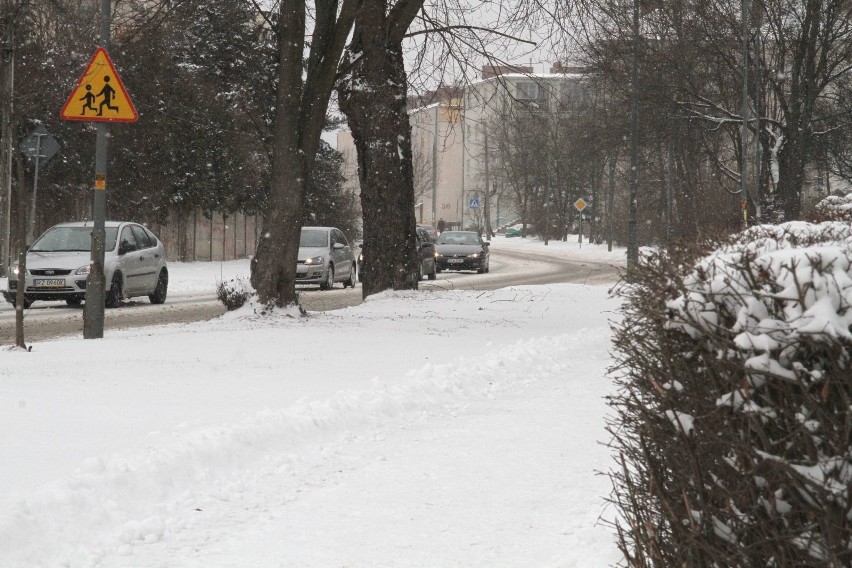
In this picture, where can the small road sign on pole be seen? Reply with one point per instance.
(40, 147)
(580, 204)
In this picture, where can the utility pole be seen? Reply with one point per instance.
(7, 77)
(632, 240)
(93, 312)
(435, 168)
(744, 113)
(758, 111)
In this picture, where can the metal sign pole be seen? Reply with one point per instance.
(37, 158)
(93, 313)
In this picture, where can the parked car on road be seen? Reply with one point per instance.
(518, 230)
(325, 257)
(429, 230)
(58, 264)
(426, 250)
(462, 250)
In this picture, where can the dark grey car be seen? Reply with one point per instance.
(426, 252)
(462, 250)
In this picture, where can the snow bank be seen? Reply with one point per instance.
(122, 500)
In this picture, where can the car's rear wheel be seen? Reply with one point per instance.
(159, 294)
(329, 279)
(113, 297)
(351, 280)
(434, 274)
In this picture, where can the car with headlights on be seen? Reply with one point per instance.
(58, 264)
(325, 257)
(462, 250)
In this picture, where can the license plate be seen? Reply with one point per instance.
(50, 282)
(455, 260)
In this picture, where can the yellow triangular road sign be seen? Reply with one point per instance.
(99, 95)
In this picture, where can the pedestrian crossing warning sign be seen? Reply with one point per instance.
(99, 95)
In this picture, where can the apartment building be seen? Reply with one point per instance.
(456, 178)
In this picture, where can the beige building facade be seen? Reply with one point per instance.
(454, 166)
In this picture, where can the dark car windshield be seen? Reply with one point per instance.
(313, 238)
(449, 238)
(71, 239)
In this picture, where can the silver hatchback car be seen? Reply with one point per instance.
(58, 264)
(325, 257)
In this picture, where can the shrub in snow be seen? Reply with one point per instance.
(836, 207)
(234, 293)
(733, 418)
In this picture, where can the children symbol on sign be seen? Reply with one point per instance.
(89, 98)
(107, 93)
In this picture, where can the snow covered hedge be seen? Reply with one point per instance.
(836, 207)
(733, 421)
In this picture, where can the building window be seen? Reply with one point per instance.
(532, 96)
(528, 91)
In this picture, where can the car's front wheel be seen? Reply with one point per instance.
(328, 284)
(113, 297)
(27, 302)
(158, 296)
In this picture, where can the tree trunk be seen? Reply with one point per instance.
(792, 160)
(372, 95)
(273, 268)
(300, 106)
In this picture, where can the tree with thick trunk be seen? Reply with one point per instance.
(372, 93)
(304, 90)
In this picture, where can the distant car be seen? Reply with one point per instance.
(518, 230)
(426, 250)
(462, 250)
(325, 257)
(429, 230)
(58, 264)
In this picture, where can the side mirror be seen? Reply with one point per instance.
(122, 249)
(488, 243)
(338, 246)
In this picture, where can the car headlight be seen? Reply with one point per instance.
(83, 269)
(14, 269)
(438, 255)
(314, 260)
(474, 255)
(361, 257)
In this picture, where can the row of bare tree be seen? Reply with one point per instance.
(698, 169)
